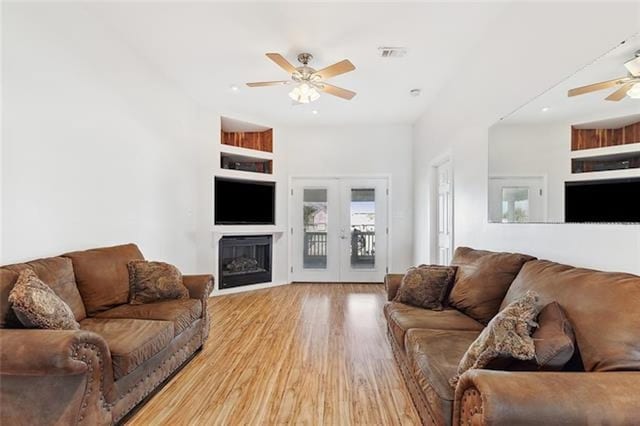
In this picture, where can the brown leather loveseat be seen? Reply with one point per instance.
(122, 352)
(602, 386)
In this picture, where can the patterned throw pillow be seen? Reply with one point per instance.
(37, 306)
(426, 286)
(154, 281)
(508, 335)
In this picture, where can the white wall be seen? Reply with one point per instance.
(507, 72)
(98, 148)
(362, 150)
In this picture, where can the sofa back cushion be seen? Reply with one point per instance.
(482, 280)
(602, 307)
(56, 272)
(102, 275)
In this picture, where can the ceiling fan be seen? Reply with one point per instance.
(626, 86)
(309, 82)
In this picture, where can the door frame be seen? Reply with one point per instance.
(290, 214)
(432, 215)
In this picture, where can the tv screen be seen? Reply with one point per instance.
(610, 200)
(241, 202)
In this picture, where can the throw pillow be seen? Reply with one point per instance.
(37, 306)
(508, 335)
(154, 281)
(482, 280)
(426, 286)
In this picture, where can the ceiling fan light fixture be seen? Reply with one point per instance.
(634, 92)
(304, 93)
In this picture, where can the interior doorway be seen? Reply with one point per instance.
(339, 229)
(444, 212)
(517, 199)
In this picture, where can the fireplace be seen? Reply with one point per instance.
(244, 260)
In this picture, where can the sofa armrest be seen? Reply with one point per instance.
(391, 284)
(489, 397)
(199, 286)
(55, 376)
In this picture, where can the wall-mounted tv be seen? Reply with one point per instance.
(244, 202)
(607, 200)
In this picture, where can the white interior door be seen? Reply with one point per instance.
(517, 199)
(444, 214)
(339, 230)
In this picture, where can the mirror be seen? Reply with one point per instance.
(562, 158)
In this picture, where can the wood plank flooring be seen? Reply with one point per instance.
(296, 354)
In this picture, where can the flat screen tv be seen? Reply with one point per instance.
(242, 202)
(608, 200)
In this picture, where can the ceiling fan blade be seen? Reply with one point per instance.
(620, 93)
(633, 66)
(337, 91)
(282, 62)
(335, 69)
(597, 86)
(268, 83)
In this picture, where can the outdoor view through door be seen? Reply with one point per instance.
(363, 228)
(339, 229)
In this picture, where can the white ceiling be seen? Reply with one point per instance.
(207, 47)
(591, 107)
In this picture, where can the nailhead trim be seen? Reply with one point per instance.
(416, 397)
(93, 352)
(185, 351)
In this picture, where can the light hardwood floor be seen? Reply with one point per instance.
(301, 353)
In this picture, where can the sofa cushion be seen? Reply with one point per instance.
(554, 338)
(401, 318)
(507, 336)
(57, 273)
(433, 357)
(37, 306)
(426, 286)
(102, 275)
(8, 318)
(182, 312)
(131, 342)
(154, 282)
(601, 306)
(482, 280)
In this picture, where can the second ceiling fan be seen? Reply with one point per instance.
(309, 82)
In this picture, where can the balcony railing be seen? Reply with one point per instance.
(363, 243)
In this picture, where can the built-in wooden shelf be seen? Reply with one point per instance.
(588, 138)
(259, 141)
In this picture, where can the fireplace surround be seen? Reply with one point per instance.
(244, 260)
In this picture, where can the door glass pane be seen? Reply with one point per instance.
(315, 215)
(515, 204)
(363, 228)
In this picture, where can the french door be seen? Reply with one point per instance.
(339, 229)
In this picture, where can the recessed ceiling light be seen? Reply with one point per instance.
(415, 92)
(545, 109)
(314, 112)
(234, 88)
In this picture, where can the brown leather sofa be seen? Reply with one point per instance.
(601, 384)
(122, 352)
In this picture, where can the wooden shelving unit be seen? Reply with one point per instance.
(246, 149)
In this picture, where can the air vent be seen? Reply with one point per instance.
(392, 52)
